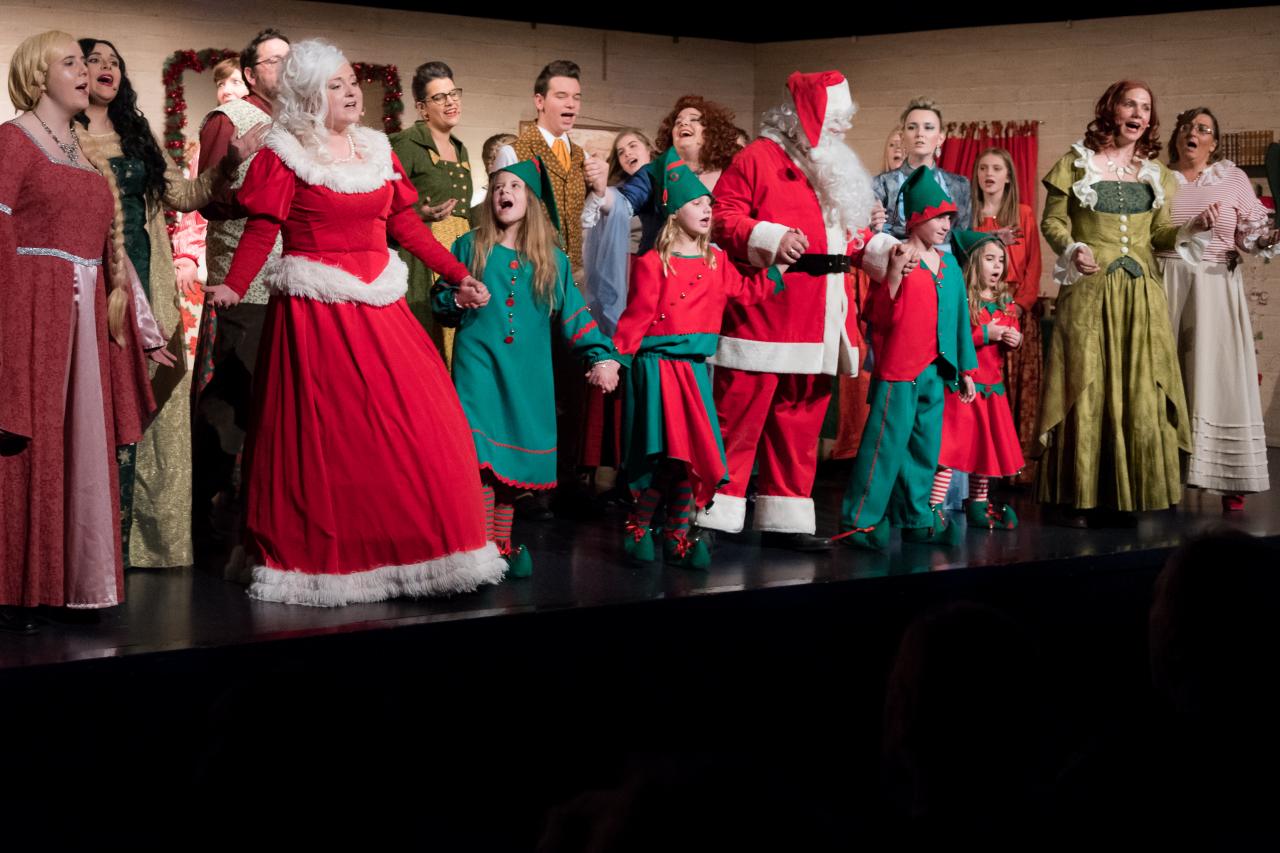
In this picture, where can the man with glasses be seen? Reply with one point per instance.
(227, 346)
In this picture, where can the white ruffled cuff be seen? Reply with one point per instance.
(762, 245)
(1190, 245)
(1252, 229)
(1065, 271)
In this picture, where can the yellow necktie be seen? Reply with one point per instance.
(562, 153)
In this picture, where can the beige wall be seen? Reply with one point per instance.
(1051, 72)
(1228, 60)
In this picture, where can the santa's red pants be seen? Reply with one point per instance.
(779, 415)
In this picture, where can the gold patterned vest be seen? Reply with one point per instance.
(568, 185)
(224, 235)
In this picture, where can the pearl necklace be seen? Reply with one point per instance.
(351, 148)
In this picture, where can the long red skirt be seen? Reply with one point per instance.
(979, 437)
(362, 479)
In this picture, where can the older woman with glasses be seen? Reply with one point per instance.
(440, 169)
(1209, 313)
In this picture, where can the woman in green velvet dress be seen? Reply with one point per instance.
(1113, 416)
(440, 169)
(155, 474)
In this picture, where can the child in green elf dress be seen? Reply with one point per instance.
(502, 351)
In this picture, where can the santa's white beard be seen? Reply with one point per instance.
(842, 184)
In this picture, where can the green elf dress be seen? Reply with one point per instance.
(1113, 414)
(502, 354)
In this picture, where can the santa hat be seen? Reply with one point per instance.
(819, 97)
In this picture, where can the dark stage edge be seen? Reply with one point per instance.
(578, 567)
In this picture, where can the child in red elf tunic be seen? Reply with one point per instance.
(671, 438)
(980, 437)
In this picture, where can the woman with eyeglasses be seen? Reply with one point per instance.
(440, 169)
(1209, 312)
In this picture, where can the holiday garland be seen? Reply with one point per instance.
(389, 77)
(182, 61)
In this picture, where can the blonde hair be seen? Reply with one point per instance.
(886, 163)
(537, 244)
(672, 231)
(1007, 215)
(29, 67)
(28, 71)
(921, 103)
(973, 283)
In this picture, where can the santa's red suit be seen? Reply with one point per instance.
(775, 359)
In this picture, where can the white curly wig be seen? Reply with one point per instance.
(302, 104)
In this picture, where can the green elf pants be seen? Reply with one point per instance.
(893, 472)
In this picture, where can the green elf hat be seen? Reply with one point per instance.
(678, 183)
(535, 176)
(966, 242)
(923, 197)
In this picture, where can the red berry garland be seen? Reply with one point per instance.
(182, 61)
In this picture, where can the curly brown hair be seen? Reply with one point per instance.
(719, 135)
(1103, 129)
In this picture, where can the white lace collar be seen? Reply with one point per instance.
(366, 174)
(1148, 173)
(1215, 174)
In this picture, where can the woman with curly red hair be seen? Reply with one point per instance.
(705, 137)
(1113, 415)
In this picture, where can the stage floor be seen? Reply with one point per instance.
(577, 565)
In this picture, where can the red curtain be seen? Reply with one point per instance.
(966, 141)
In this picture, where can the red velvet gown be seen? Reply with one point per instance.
(362, 482)
(68, 394)
(980, 437)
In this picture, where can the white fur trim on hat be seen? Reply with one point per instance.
(363, 175)
(298, 276)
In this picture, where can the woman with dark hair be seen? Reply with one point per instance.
(155, 475)
(1113, 415)
(1210, 314)
(440, 169)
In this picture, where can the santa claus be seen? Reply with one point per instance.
(797, 195)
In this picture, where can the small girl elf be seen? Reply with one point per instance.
(980, 437)
(920, 338)
(671, 435)
(502, 350)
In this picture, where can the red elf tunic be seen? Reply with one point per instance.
(672, 326)
(362, 479)
(980, 437)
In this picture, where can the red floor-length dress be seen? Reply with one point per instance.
(69, 395)
(362, 480)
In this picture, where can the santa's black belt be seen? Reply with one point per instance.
(821, 264)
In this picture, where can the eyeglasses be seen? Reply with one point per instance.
(1202, 129)
(271, 60)
(440, 99)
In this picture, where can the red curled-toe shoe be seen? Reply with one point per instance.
(1232, 503)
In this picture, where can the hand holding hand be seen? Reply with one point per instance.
(792, 246)
(1084, 261)
(471, 293)
(967, 390)
(221, 296)
(597, 172)
(603, 375)
(903, 260)
(1012, 337)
